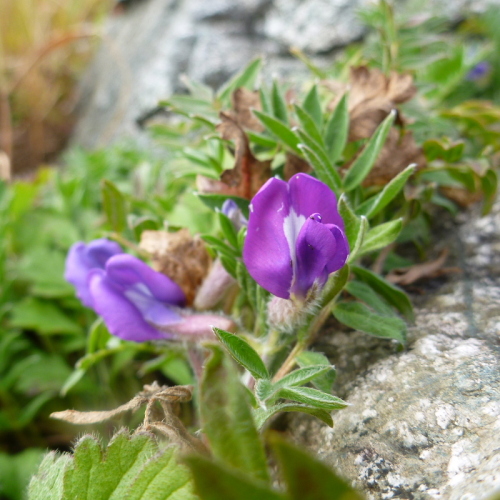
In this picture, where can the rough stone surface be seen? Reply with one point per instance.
(424, 423)
(146, 49)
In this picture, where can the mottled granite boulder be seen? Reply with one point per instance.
(146, 49)
(424, 423)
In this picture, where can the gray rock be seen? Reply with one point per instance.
(424, 423)
(146, 49)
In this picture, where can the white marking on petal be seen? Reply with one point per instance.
(292, 224)
(250, 207)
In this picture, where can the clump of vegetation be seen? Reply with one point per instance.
(359, 158)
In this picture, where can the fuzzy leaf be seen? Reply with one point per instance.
(280, 130)
(324, 382)
(227, 419)
(352, 222)
(381, 236)
(309, 125)
(312, 105)
(243, 353)
(216, 482)
(131, 467)
(245, 78)
(360, 317)
(302, 376)
(366, 294)
(365, 161)
(394, 295)
(307, 478)
(312, 397)
(337, 130)
(263, 415)
(278, 103)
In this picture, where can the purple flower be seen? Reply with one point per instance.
(136, 302)
(231, 210)
(479, 71)
(82, 259)
(295, 236)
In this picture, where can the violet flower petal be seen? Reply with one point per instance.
(82, 258)
(315, 246)
(121, 316)
(267, 252)
(309, 195)
(126, 271)
(339, 258)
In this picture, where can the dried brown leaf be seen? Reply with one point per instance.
(295, 165)
(430, 269)
(248, 175)
(181, 394)
(179, 256)
(243, 102)
(461, 196)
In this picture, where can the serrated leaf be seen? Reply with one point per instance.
(360, 317)
(364, 162)
(263, 415)
(280, 130)
(307, 478)
(312, 397)
(48, 482)
(131, 467)
(245, 78)
(243, 353)
(227, 419)
(215, 482)
(374, 205)
(278, 103)
(114, 206)
(394, 295)
(381, 236)
(309, 358)
(312, 106)
(337, 131)
(366, 294)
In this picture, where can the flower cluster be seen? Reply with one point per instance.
(136, 302)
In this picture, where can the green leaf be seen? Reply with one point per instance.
(394, 295)
(309, 126)
(365, 161)
(316, 156)
(243, 353)
(360, 238)
(489, 183)
(44, 317)
(334, 285)
(337, 131)
(302, 376)
(366, 294)
(381, 236)
(280, 130)
(312, 397)
(228, 230)
(360, 317)
(216, 482)
(131, 467)
(227, 419)
(48, 482)
(220, 246)
(309, 358)
(245, 78)
(215, 201)
(306, 477)
(312, 106)
(278, 103)
(374, 205)
(114, 205)
(352, 223)
(263, 415)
